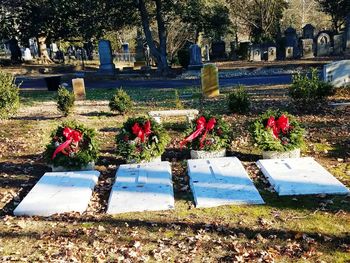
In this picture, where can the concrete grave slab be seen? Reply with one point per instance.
(300, 176)
(59, 192)
(337, 73)
(221, 181)
(142, 187)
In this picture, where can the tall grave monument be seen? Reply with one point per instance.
(106, 59)
(195, 57)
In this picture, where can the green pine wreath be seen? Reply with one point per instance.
(144, 145)
(77, 154)
(286, 136)
(217, 137)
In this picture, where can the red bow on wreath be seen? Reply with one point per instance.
(202, 125)
(282, 124)
(71, 136)
(141, 132)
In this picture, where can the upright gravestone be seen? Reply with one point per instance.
(308, 31)
(289, 51)
(347, 34)
(79, 88)
(218, 50)
(255, 53)
(292, 41)
(338, 43)
(195, 57)
(33, 46)
(271, 54)
(27, 55)
(210, 80)
(106, 60)
(323, 44)
(337, 73)
(307, 48)
(207, 53)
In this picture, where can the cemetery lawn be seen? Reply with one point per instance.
(286, 229)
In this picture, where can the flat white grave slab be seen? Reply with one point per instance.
(142, 187)
(59, 192)
(221, 181)
(300, 176)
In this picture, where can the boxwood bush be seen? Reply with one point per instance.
(9, 95)
(121, 102)
(65, 101)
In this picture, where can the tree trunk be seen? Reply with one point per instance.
(160, 53)
(44, 55)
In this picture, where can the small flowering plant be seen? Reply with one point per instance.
(141, 139)
(276, 131)
(72, 146)
(207, 133)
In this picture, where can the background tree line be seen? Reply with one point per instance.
(166, 24)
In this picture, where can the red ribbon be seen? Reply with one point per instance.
(141, 132)
(282, 124)
(71, 136)
(202, 125)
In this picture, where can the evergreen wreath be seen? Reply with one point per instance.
(141, 139)
(72, 146)
(277, 131)
(207, 133)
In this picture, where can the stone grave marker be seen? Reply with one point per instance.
(300, 176)
(255, 53)
(59, 192)
(271, 54)
(347, 33)
(323, 44)
(337, 73)
(289, 52)
(27, 55)
(338, 44)
(218, 50)
(79, 88)
(142, 187)
(221, 181)
(106, 60)
(307, 48)
(308, 31)
(195, 57)
(207, 53)
(210, 80)
(292, 42)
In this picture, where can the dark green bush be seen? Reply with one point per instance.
(183, 56)
(239, 100)
(308, 91)
(65, 101)
(121, 102)
(9, 95)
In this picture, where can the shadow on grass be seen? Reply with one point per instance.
(37, 118)
(100, 114)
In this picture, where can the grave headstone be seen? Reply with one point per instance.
(210, 80)
(347, 34)
(142, 187)
(300, 176)
(307, 48)
(289, 52)
(323, 42)
(79, 88)
(221, 181)
(33, 46)
(59, 192)
(308, 31)
(255, 53)
(106, 59)
(207, 53)
(195, 57)
(272, 54)
(337, 73)
(27, 55)
(292, 41)
(338, 44)
(218, 50)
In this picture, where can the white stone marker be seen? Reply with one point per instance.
(142, 187)
(59, 192)
(300, 176)
(221, 181)
(337, 73)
